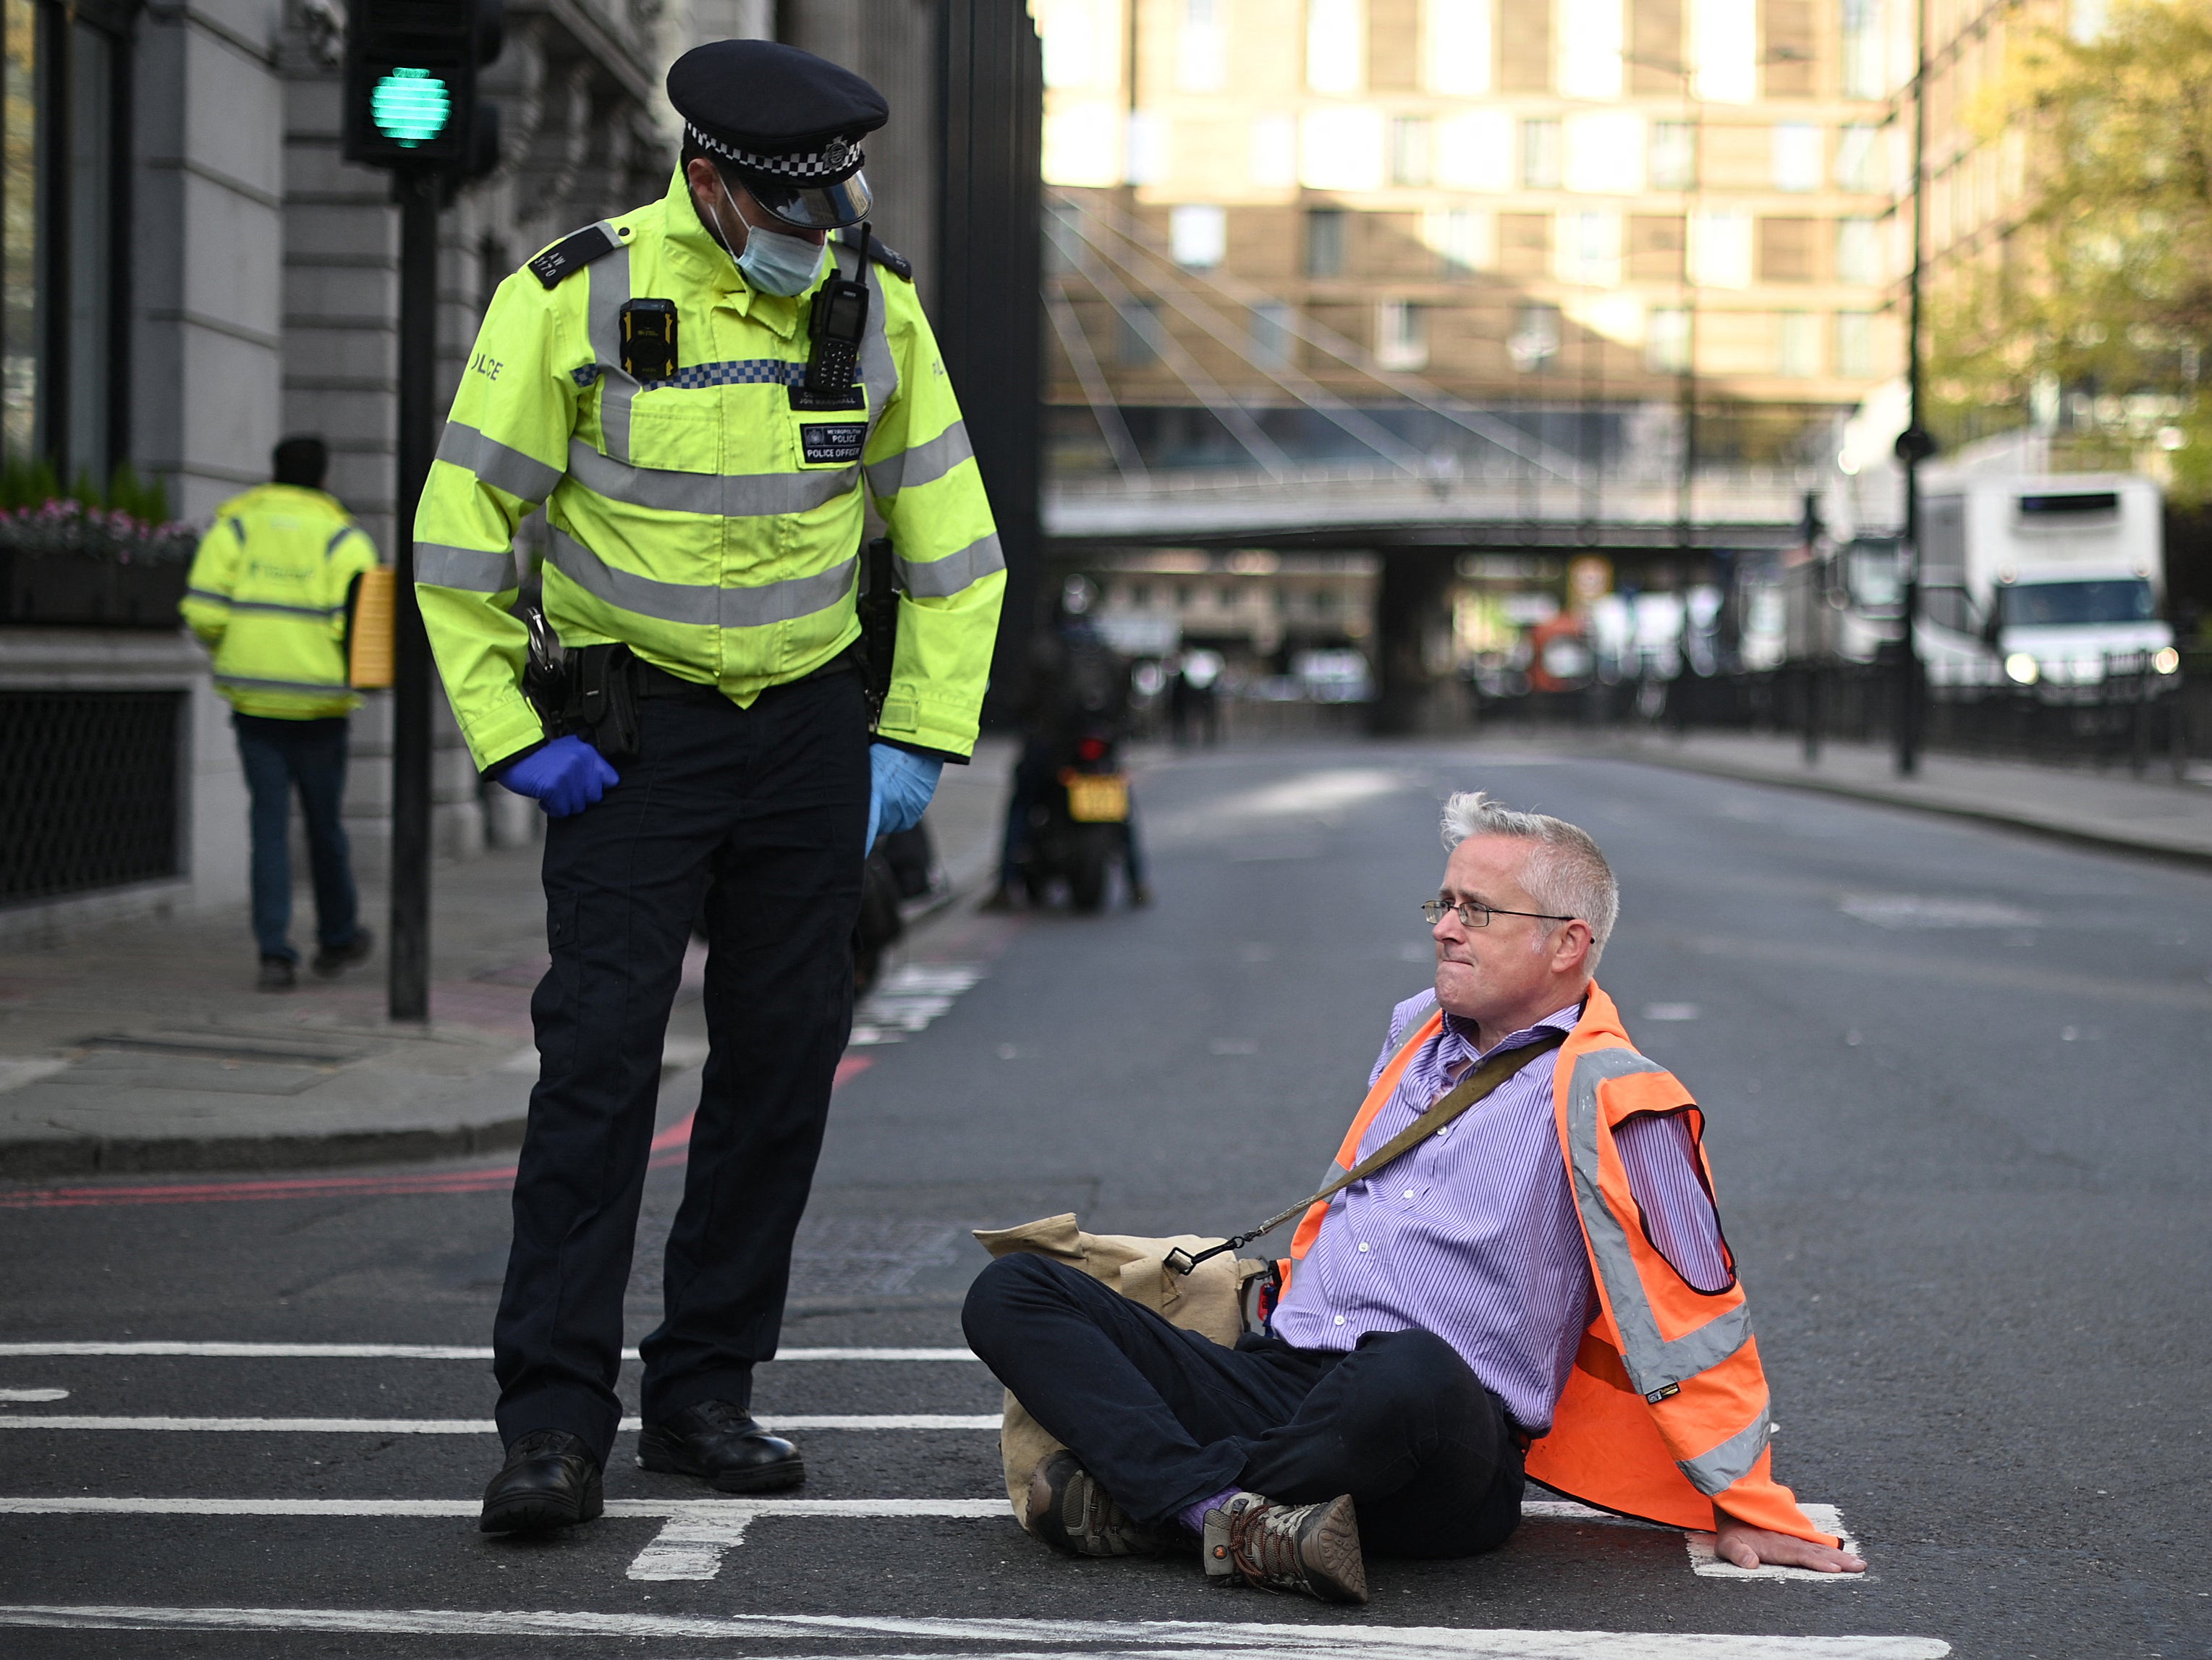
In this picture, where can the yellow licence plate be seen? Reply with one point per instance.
(1098, 798)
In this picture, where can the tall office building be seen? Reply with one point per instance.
(1588, 215)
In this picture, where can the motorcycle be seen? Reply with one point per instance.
(1079, 827)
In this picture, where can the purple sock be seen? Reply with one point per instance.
(1193, 1515)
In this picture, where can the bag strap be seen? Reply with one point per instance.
(1478, 1085)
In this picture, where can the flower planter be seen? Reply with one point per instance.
(72, 590)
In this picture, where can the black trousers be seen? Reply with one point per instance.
(1165, 1418)
(769, 805)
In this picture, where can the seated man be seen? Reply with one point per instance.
(1542, 1283)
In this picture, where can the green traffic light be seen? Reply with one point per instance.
(411, 106)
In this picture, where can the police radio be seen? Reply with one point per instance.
(839, 320)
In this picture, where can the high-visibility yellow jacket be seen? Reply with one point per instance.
(703, 521)
(267, 596)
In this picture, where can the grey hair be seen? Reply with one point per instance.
(1566, 873)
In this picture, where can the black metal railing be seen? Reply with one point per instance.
(2132, 715)
(88, 790)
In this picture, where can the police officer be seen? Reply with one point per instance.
(695, 397)
(270, 595)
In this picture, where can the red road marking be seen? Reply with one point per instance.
(668, 1149)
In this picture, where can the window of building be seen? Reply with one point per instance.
(1724, 51)
(1082, 42)
(1858, 165)
(1269, 335)
(1604, 152)
(1274, 159)
(1410, 137)
(1796, 155)
(1541, 153)
(1460, 237)
(1336, 45)
(1534, 341)
(1859, 251)
(1148, 147)
(1590, 249)
(1135, 330)
(1474, 151)
(1720, 248)
(63, 320)
(1787, 250)
(1672, 160)
(1797, 344)
(1202, 47)
(1459, 47)
(1198, 235)
(1401, 334)
(1862, 50)
(1855, 344)
(1591, 42)
(1667, 341)
(1325, 239)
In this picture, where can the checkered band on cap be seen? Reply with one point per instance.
(833, 163)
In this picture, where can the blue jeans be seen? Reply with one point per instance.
(310, 755)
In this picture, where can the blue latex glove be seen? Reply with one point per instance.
(900, 784)
(565, 776)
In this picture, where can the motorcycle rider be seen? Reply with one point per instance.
(1077, 686)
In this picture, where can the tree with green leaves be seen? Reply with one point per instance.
(2098, 305)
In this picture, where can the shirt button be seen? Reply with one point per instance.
(1409, 1193)
(1340, 1319)
(1363, 1245)
(1445, 1131)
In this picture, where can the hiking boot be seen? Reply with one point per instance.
(1314, 1548)
(332, 963)
(1070, 1511)
(278, 974)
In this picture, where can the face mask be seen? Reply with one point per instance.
(772, 261)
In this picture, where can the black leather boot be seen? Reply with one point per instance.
(720, 1442)
(549, 1481)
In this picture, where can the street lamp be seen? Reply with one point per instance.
(1914, 444)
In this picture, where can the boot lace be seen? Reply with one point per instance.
(1263, 1543)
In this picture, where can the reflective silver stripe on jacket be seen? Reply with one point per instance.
(725, 495)
(473, 570)
(496, 463)
(1717, 1471)
(878, 369)
(714, 607)
(940, 579)
(924, 464)
(320, 613)
(1652, 1361)
(313, 688)
(610, 293)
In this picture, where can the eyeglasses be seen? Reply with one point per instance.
(1478, 915)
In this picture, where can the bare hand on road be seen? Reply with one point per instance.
(1750, 1547)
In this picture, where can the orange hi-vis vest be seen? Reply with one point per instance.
(1665, 1414)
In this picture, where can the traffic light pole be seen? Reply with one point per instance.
(418, 189)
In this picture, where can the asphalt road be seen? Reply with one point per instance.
(1955, 1082)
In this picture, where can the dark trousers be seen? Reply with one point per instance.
(281, 756)
(760, 813)
(1165, 1418)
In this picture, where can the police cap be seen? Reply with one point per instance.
(786, 123)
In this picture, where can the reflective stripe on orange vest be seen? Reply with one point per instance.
(1666, 1411)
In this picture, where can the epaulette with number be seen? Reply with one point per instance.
(572, 253)
(888, 257)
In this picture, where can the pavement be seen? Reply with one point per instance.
(1952, 1077)
(143, 1046)
(2154, 813)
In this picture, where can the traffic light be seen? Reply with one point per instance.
(411, 80)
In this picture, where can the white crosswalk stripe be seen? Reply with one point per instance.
(998, 1639)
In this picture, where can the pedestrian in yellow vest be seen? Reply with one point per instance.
(270, 595)
(704, 395)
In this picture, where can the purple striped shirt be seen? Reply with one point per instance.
(1473, 1234)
